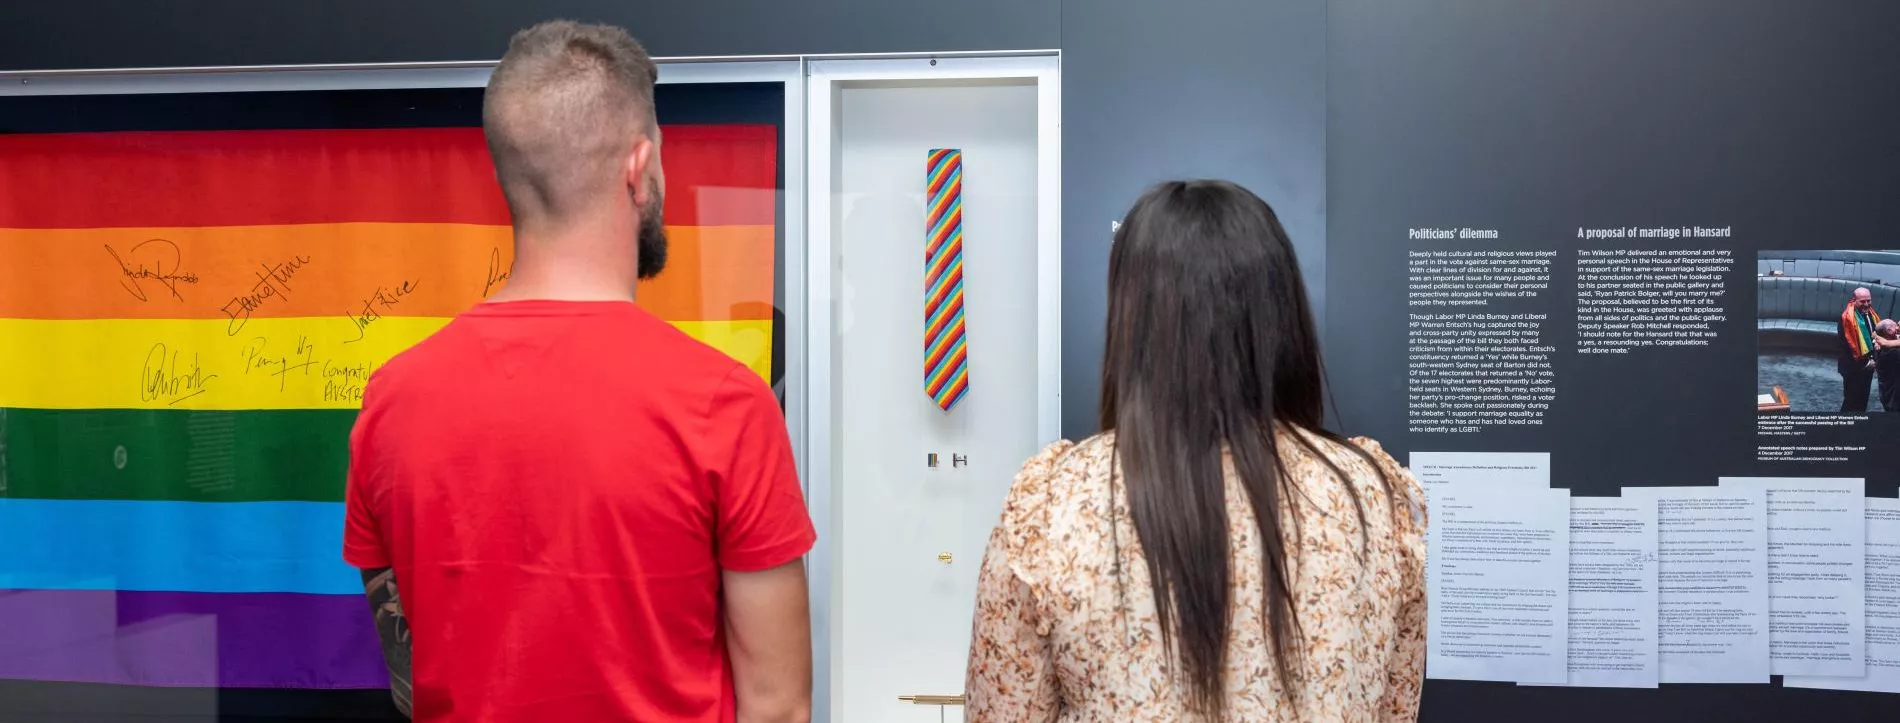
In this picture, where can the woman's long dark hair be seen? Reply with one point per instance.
(1211, 348)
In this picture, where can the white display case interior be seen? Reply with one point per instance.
(901, 540)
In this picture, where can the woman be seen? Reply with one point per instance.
(1214, 554)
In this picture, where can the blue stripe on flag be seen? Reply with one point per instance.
(225, 547)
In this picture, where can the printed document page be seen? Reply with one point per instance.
(1883, 607)
(1817, 529)
(1499, 598)
(1712, 617)
(1613, 592)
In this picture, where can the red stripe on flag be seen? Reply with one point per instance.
(717, 175)
(720, 175)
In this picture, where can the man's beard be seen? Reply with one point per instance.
(653, 237)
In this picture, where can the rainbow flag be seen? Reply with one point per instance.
(187, 321)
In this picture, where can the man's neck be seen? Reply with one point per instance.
(574, 265)
(565, 282)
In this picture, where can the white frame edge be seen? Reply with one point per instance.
(826, 585)
(47, 73)
(796, 255)
(318, 77)
(824, 77)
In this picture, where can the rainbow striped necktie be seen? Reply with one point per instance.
(946, 362)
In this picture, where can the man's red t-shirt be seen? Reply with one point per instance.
(558, 486)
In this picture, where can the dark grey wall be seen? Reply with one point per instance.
(43, 34)
(1231, 89)
(1775, 117)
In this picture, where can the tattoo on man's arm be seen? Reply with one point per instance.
(393, 629)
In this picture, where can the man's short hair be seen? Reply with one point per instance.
(1887, 326)
(562, 111)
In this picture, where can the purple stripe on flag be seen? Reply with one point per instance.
(186, 639)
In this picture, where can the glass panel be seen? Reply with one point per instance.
(935, 232)
(194, 289)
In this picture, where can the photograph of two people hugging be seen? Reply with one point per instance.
(1870, 353)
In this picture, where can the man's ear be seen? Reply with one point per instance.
(637, 162)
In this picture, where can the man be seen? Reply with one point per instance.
(1856, 364)
(589, 515)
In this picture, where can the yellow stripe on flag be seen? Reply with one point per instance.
(286, 363)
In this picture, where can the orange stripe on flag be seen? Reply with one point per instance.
(238, 273)
(714, 272)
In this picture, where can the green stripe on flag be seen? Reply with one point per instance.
(176, 455)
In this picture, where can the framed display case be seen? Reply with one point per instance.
(908, 156)
(799, 189)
